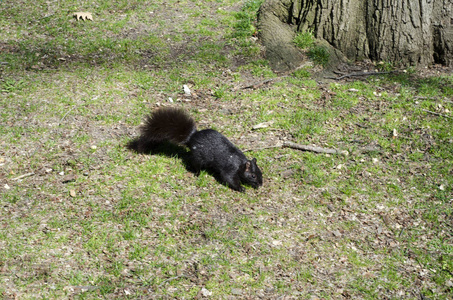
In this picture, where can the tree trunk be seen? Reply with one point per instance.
(276, 35)
(404, 32)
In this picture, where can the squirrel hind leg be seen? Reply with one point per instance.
(196, 164)
(194, 168)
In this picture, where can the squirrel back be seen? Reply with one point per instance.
(209, 149)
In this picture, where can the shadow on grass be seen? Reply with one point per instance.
(424, 84)
(170, 150)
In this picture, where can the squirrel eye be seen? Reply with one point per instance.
(253, 176)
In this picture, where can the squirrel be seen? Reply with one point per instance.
(209, 149)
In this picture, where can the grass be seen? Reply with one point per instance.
(319, 55)
(305, 40)
(91, 219)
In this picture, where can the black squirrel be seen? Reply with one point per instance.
(209, 149)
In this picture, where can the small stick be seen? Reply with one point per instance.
(171, 278)
(24, 175)
(313, 148)
(258, 84)
(363, 74)
(301, 147)
(61, 120)
(49, 15)
(437, 114)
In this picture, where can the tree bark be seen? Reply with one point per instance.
(405, 32)
(277, 34)
(443, 32)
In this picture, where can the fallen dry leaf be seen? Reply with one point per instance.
(262, 125)
(83, 16)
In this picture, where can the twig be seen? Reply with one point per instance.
(23, 176)
(437, 114)
(171, 278)
(76, 106)
(86, 288)
(258, 84)
(61, 120)
(314, 148)
(49, 15)
(301, 147)
(363, 74)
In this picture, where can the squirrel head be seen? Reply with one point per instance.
(250, 174)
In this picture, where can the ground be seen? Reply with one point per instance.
(84, 217)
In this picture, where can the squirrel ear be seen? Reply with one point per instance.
(247, 166)
(254, 160)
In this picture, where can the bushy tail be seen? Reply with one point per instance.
(165, 124)
(169, 124)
